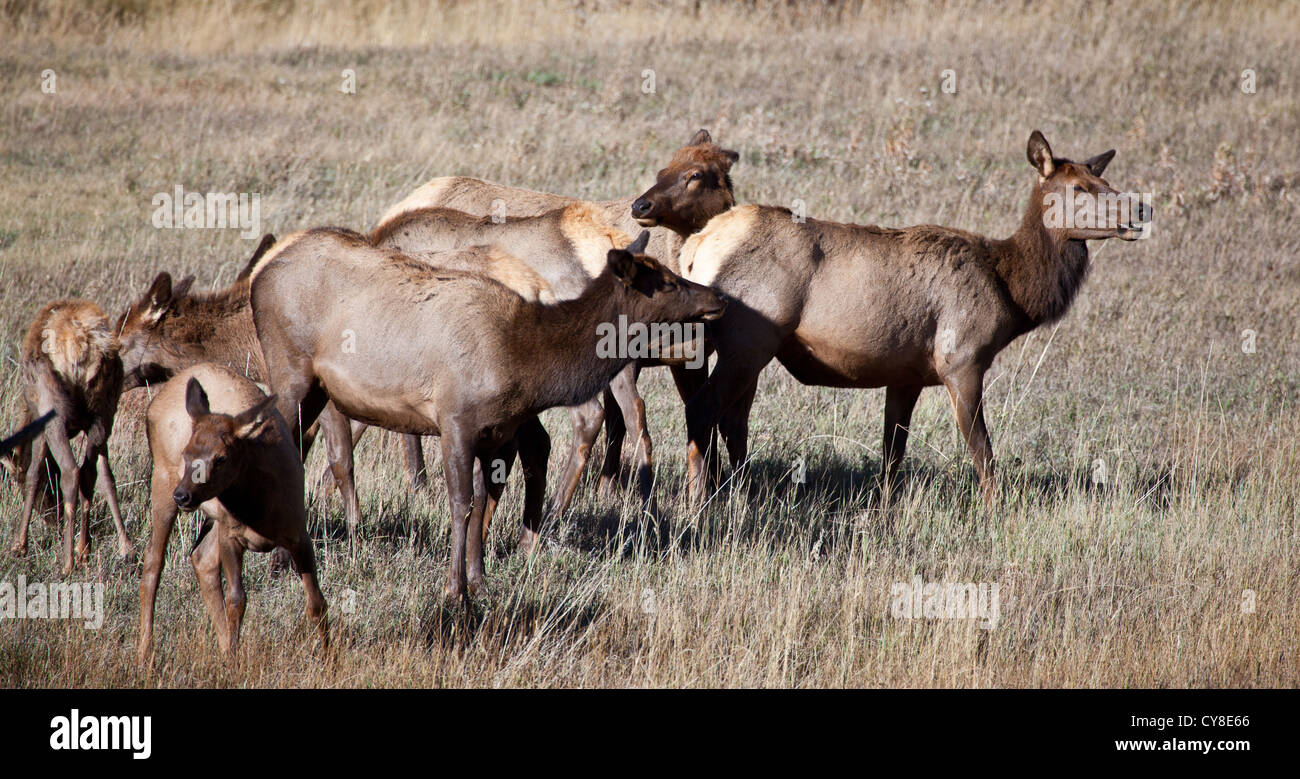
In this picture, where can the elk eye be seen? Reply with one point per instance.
(219, 460)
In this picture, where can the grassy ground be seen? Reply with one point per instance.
(1131, 577)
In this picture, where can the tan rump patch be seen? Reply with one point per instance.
(77, 338)
(519, 276)
(705, 253)
(584, 225)
(427, 195)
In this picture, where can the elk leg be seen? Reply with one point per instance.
(325, 485)
(534, 453)
(730, 380)
(615, 432)
(586, 426)
(633, 407)
(86, 476)
(734, 427)
(899, 402)
(206, 560)
(57, 436)
(496, 483)
(124, 546)
(232, 564)
(458, 470)
(417, 476)
(474, 576)
(966, 391)
(304, 559)
(164, 519)
(338, 445)
(689, 382)
(39, 448)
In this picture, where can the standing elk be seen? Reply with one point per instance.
(410, 347)
(219, 446)
(694, 187)
(71, 367)
(845, 305)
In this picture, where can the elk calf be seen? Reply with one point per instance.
(220, 446)
(70, 366)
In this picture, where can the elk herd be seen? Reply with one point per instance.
(471, 308)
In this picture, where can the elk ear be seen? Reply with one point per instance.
(700, 137)
(250, 422)
(196, 400)
(623, 265)
(732, 156)
(156, 301)
(181, 289)
(1098, 164)
(268, 241)
(639, 245)
(1040, 155)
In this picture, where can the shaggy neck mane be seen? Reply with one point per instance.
(1042, 271)
(215, 327)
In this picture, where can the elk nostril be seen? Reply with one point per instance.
(640, 207)
(181, 496)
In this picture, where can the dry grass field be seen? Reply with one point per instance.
(1148, 445)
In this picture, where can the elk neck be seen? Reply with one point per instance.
(1042, 270)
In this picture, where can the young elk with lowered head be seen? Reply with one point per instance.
(430, 351)
(694, 187)
(70, 366)
(855, 306)
(220, 447)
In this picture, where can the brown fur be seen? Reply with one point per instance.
(496, 362)
(565, 236)
(70, 365)
(853, 306)
(219, 446)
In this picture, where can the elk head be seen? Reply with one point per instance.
(656, 293)
(694, 188)
(1077, 203)
(214, 458)
(139, 331)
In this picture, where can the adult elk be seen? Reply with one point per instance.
(694, 187)
(220, 447)
(404, 345)
(71, 367)
(851, 306)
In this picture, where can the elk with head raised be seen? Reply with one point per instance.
(852, 306)
(71, 367)
(430, 351)
(220, 447)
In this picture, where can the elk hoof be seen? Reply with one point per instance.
(18, 548)
(527, 541)
(128, 554)
(475, 585)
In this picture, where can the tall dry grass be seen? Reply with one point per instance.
(1137, 580)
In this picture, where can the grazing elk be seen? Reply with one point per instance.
(219, 446)
(70, 366)
(845, 305)
(694, 187)
(410, 347)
